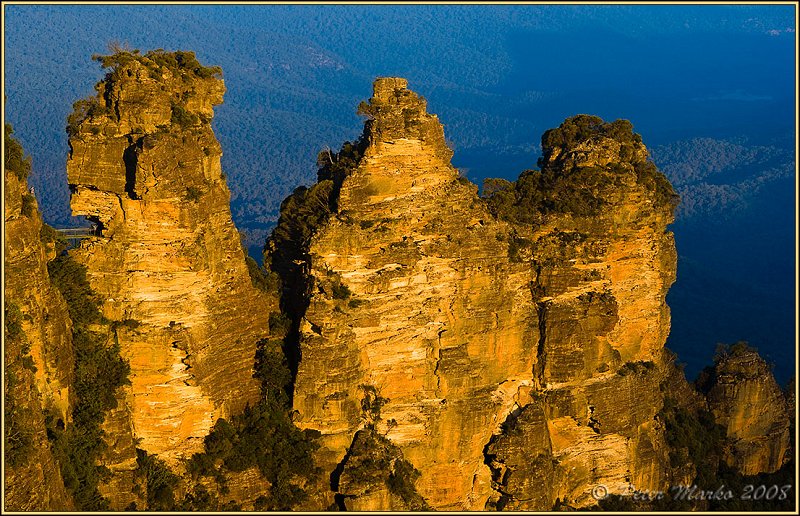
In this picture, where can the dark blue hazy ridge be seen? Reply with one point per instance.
(710, 88)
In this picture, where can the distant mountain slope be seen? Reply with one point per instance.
(718, 178)
(736, 240)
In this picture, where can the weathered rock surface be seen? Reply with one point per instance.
(27, 284)
(455, 352)
(35, 484)
(38, 353)
(120, 456)
(418, 294)
(374, 476)
(167, 261)
(601, 277)
(412, 293)
(745, 399)
(243, 488)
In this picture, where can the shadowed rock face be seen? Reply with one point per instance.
(413, 290)
(747, 402)
(43, 338)
(168, 263)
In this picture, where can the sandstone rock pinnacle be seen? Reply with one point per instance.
(747, 402)
(432, 348)
(145, 166)
(38, 349)
(422, 295)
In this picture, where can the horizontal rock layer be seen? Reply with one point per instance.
(432, 295)
(167, 261)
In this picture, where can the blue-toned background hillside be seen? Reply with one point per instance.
(710, 88)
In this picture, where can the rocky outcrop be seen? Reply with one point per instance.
(594, 232)
(27, 284)
(166, 259)
(410, 290)
(242, 490)
(374, 476)
(454, 351)
(745, 399)
(37, 347)
(465, 325)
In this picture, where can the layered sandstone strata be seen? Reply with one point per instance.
(414, 298)
(455, 352)
(166, 260)
(38, 350)
(603, 262)
(464, 326)
(745, 399)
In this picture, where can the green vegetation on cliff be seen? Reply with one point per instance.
(20, 407)
(182, 63)
(28, 205)
(183, 117)
(302, 213)
(563, 186)
(694, 437)
(697, 441)
(260, 277)
(160, 481)
(586, 129)
(401, 483)
(338, 165)
(18, 436)
(579, 129)
(81, 110)
(99, 371)
(374, 462)
(263, 436)
(159, 64)
(309, 207)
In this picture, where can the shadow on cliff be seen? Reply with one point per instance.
(287, 253)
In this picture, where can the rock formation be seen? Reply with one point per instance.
(466, 327)
(375, 476)
(167, 261)
(37, 346)
(454, 351)
(411, 292)
(602, 263)
(745, 399)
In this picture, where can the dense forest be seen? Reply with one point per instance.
(720, 178)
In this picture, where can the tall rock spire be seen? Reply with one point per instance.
(167, 261)
(468, 338)
(412, 299)
(37, 345)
